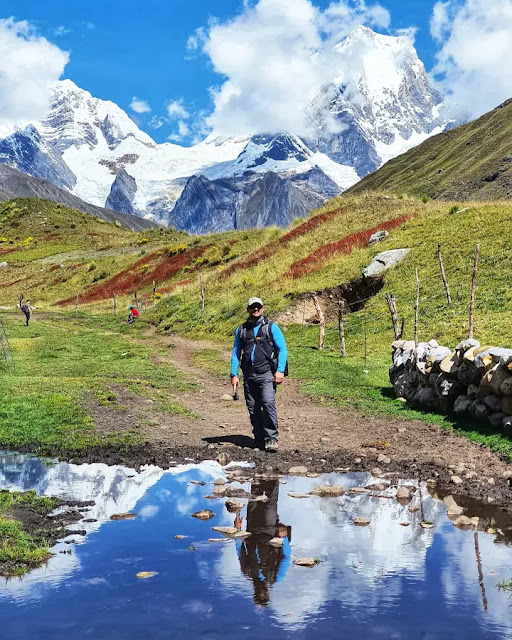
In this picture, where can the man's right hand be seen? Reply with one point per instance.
(235, 381)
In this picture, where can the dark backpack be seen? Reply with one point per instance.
(264, 339)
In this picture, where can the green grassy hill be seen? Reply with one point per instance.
(52, 253)
(471, 162)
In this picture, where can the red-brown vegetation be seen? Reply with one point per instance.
(357, 240)
(309, 225)
(161, 267)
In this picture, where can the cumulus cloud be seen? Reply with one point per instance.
(473, 64)
(62, 31)
(157, 121)
(273, 57)
(183, 132)
(139, 106)
(177, 110)
(29, 66)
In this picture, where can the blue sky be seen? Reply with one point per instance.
(119, 50)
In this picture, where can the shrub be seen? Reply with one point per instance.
(174, 251)
(143, 241)
(425, 199)
(453, 209)
(91, 266)
(144, 268)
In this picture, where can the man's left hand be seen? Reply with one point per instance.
(278, 377)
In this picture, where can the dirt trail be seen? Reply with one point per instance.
(319, 436)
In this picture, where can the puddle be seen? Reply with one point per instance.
(382, 581)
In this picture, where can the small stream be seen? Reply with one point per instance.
(382, 581)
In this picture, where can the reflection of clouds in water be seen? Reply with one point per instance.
(357, 559)
(148, 511)
(114, 489)
(459, 576)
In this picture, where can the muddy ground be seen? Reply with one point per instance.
(320, 437)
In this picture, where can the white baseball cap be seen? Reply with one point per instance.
(254, 301)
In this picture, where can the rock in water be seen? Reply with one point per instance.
(305, 562)
(234, 506)
(219, 482)
(276, 542)
(361, 521)
(328, 491)
(463, 522)
(242, 534)
(403, 493)
(146, 574)
(123, 516)
(453, 508)
(228, 531)
(297, 471)
(180, 537)
(205, 514)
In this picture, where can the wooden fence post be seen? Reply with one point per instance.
(76, 303)
(202, 296)
(115, 303)
(416, 309)
(365, 347)
(321, 318)
(136, 300)
(154, 293)
(473, 291)
(391, 300)
(443, 275)
(341, 327)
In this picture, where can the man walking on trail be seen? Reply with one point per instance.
(26, 309)
(261, 347)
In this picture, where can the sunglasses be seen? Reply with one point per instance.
(255, 307)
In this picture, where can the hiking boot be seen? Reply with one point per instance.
(271, 445)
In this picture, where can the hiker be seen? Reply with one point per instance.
(261, 346)
(133, 315)
(26, 309)
(264, 563)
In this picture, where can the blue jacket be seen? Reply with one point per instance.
(279, 343)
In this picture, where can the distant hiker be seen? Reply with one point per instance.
(26, 309)
(133, 315)
(261, 346)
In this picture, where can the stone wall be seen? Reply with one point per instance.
(472, 380)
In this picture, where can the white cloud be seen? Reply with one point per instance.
(62, 31)
(157, 121)
(177, 110)
(273, 57)
(139, 106)
(183, 132)
(473, 66)
(29, 66)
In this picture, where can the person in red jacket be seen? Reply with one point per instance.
(133, 315)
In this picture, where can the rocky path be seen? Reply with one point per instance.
(319, 436)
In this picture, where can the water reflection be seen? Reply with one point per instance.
(260, 561)
(378, 582)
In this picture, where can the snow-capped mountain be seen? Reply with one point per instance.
(378, 105)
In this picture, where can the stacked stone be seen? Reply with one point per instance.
(472, 380)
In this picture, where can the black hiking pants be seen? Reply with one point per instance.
(260, 398)
(27, 317)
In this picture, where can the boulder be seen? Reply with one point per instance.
(507, 425)
(481, 412)
(483, 360)
(328, 491)
(205, 514)
(384, 261)
(493, 403)
(403, 385)
(463, 522)
(465, 345)
(228, 531)
(506, 386)
(449, 364)
(378, 236)
(403, 493)
(468, 373)
(298, 471)
(500, 375)
(361, 521)
(462, 405)
(485, 387)
(456, 480)
(506, 405)
(233, 506)
(472, 391)
(453, 509)
(426, 399)
(306, 562)
(219, 482)
(276, 542)
(447, 392)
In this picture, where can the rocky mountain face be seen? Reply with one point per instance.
(15, 184)
(378, 105)
(251, 200)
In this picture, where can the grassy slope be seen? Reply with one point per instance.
(243, 263)
(66, 364)
(473, 161)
